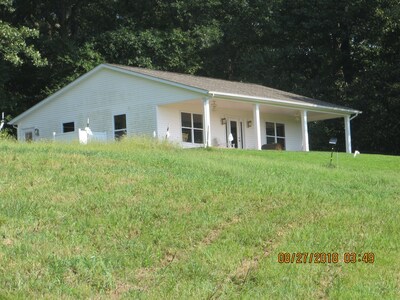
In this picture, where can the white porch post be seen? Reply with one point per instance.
(304, 131)
(207, 122)
(347, 133)
(257, 125)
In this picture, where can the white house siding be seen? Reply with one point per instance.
(292, 130)
(101, 96)
(169, 116)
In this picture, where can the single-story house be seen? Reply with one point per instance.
(191, 110)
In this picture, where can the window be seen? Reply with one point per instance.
(275, 133)
(29, 136)
(192, 128)
(119, 126)
(68, 127)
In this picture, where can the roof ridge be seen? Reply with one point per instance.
(209, 78)
(185, 74)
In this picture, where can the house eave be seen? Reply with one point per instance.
(285, 103)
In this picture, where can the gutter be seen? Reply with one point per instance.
(355, 116)
(285, 103)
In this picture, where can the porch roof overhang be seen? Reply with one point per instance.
(284, 103)
(239, 91)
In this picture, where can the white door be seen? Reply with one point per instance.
(235, 131)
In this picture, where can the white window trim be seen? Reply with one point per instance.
(192, 128)
(113, 122)
(275, 136)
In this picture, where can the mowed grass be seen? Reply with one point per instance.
(142, 219)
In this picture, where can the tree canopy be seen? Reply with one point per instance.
(345, 52)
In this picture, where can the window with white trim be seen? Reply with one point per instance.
(119, 126)
(192, 128)
(275, 133)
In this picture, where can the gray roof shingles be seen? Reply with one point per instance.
(230, 87)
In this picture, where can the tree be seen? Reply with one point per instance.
(345, 52)
(13, 40)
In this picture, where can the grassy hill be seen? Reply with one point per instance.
(145, 219)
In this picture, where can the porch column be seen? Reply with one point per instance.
(207, 121)
(347, 133)
(257, 125)
(304, 131)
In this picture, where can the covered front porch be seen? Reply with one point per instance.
(246, 123)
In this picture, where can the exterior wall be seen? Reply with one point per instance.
(234, 115)
(149, 106)
(292, 130)
(101, 96)
(170, 116)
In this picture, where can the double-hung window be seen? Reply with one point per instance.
(275, 133)
(192, 128)
(119, 126)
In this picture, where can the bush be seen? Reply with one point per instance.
(6, 134)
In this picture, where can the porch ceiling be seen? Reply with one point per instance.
(220, 105)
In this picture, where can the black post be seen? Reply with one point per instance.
(330, 163)
(332, 142)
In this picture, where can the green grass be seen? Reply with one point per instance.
(141, 219)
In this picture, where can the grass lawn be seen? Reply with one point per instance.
(141, 219)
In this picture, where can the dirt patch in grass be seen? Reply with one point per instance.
(215, 233)
(120, 289)
(241, 273)
(8, 242)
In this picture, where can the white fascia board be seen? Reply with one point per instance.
(285, 103)
(55, 95)
(157, 79)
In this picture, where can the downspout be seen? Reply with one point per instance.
(348, 131)
(355, 116)
(15, 126)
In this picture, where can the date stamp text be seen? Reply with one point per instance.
(325, 257)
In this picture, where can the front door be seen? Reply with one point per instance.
(235, 134)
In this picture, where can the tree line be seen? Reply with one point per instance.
(344, 52)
